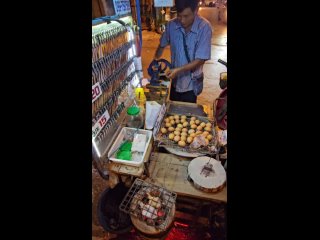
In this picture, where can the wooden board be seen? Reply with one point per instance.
(170, 171)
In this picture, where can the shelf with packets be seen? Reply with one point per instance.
(113, 80)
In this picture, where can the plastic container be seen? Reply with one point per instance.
(134, 117)
(124, 135)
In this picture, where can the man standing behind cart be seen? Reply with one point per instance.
(189, 37)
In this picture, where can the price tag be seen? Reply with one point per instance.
(163, 3)
(159, 120)
(100, 124)
(96, 92)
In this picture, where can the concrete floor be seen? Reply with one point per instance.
(211, 91)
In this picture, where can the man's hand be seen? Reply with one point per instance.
(173, 73)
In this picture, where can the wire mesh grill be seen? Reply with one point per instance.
(149, 203)
(164, 141)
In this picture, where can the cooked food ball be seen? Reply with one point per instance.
(180, 125)
(197, 122)
(193, 118)
(185, 130)
(176, 116)
(192, 135)
(183, 138)
(163, 130)
(203, 124)
(167, 120)
(205, 133)
(176, 138)
(209, 137)
(199, 128)
(193, 126)
(171, 117)
(183, 120)
(198, 132)
(183, 117)
(184, 134)
(177, 121)
(168, 125)
(208, 129)
(208, 124)
(182, 143)
(192, 122)
(177, 133)
(171, 136)
(185, 124)
(191, 131)
(178, 129)
(189, 139)
(171, 129)
(172, 122)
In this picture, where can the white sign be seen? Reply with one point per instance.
(96, 92)
(100, 124)
(122, 7)
(159, 120)
(163, 3)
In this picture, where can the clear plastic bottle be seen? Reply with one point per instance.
(134, 117)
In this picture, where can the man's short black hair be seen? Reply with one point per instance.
(183, 4)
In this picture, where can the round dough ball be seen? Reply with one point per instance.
(171, 117)
(183, 117)
(176, 138)
(185, 130)
(203, 124)
(171, 129)
(182, 143)
(183, 138)
(163, 130)
(176, 116)
(168, 125)
(191, 131)
(208, 124)
(208, 129)
(177, 133)
(180, 125)
(193, 118)
(192, 135)
(183, 120)
(205, 133)
(192, 122)
(178, 129)
(167, 120)
(197, 122)
(185, 124)
(209, 137)
(184, 134)
(199, 128)
(193, 126)
(172, 122)
(189, 139)
(171, 136)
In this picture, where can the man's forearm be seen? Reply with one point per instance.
(159, 52)
(191, 66)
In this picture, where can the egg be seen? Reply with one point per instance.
(208, 124)
(171, 129)
(193, 126)
(184, 134)
(176, 138)
(180, 125)
(199, 128)
(171, 136)
(189, 139)
(172, 122)
(192, 135)
(177, 133)
(182, 143)
(205, 133)
(185, 124)
(183, 138)
(209, 137)
(193, 118)
(208, 129)
(203, 124)
(191, 131)
(197, 122)
(168, 125)
(184, 130)
(163, 130)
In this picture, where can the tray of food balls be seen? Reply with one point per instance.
(187, 134)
